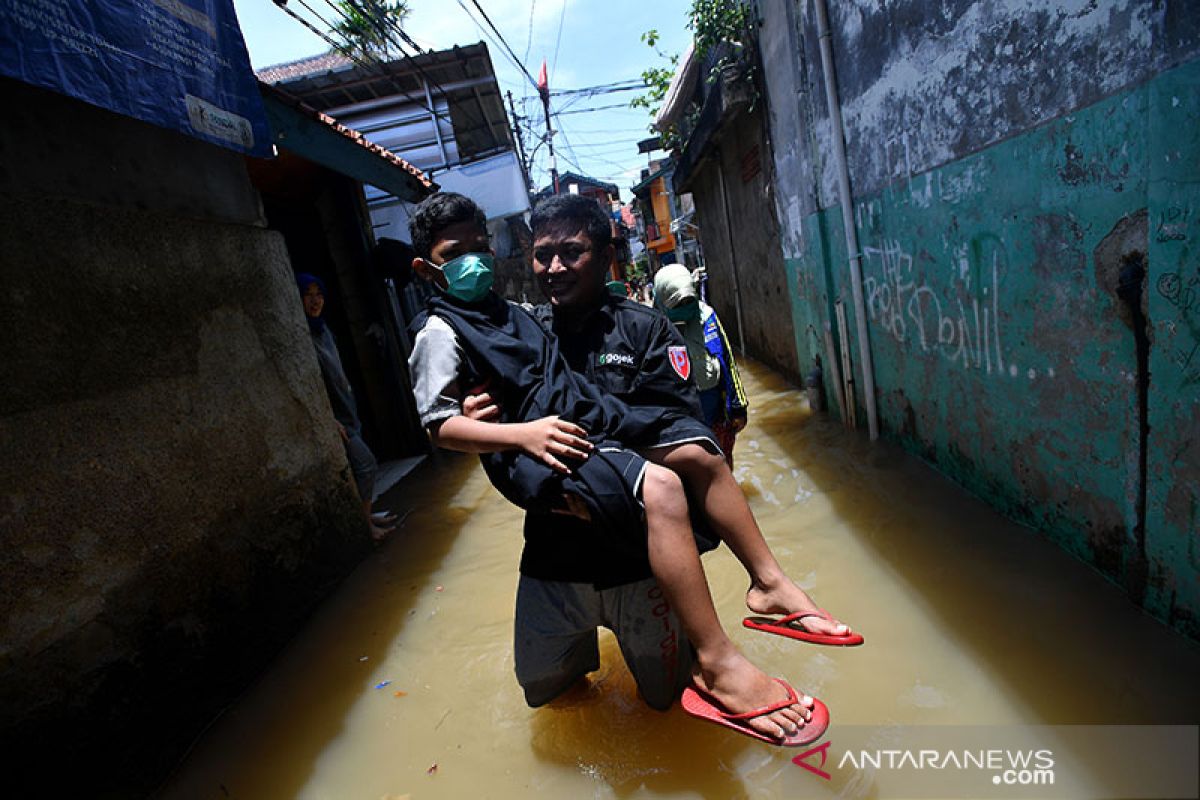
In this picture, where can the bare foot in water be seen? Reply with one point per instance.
(382, 523)
(783, 596)
(740, 687)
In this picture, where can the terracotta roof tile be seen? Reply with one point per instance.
(312, 65)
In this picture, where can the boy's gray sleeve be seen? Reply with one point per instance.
(434, 365)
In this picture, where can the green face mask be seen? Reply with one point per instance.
(685, 312)
(468, 277)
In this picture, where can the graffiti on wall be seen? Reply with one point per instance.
(963, 328)
(1172, 224)
(1182, 290)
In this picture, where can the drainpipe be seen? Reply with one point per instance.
(737, 290)
(839, 154)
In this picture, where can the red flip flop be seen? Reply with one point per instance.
(703, 707)
(790, 627)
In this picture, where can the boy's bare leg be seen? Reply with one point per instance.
(771, 590)
(721, 670)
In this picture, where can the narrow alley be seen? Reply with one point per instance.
(402, 684)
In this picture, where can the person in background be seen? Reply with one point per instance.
(714, 372)
(341, 399)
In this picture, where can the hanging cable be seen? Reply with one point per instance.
(558, 39)
(503, 43)
(363, 62)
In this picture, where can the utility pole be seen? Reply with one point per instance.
(520, 142)
(550, 141)
(543, 85)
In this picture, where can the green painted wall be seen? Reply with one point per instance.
(1002, 351)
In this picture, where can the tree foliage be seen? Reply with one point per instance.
(716, 22)
(657, 79)
(368, 27)
(713, 23)
(658, 82)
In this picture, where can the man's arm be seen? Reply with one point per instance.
(546, 439)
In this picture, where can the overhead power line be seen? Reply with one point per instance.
(591, 91)
(389, 31)
(558, 39)
(503, 41)
(366, 62)
(595, 108)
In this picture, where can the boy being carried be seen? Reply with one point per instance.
(545, 461)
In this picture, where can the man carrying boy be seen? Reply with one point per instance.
(576, 577)
(538, 385)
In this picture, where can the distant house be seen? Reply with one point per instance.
(442, 112)
(573, 183)
(656, 207)
(608, 196)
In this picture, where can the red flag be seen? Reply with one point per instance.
(543, 81)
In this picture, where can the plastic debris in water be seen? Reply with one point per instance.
(438, 588)
(432, 770)
(400, 694)
(382, 684)
(362, 659)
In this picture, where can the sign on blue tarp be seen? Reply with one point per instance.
(181, 64)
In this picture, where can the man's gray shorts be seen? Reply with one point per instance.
(555, 640)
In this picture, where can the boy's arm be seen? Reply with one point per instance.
(546, 439)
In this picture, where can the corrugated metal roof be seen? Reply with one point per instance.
(458, 84)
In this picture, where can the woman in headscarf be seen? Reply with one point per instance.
(341, 399)
(713, 369)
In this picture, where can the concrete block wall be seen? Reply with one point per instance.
(173, 493)
(743, 155)
(1011, 163)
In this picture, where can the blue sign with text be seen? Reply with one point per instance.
(181, 64)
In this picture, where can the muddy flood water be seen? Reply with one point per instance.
(402, 685)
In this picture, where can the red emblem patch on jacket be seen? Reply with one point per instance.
(680, 361)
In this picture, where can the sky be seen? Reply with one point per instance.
(584, 43)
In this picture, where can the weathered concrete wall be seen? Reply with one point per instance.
(1172, 529)
(743, 154)
(1008, 162)
(173, 493)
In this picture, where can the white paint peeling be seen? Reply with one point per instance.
(916, 105)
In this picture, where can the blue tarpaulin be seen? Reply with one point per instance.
(181, 64)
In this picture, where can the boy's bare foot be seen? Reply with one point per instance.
(783, 596)
(739, 687)
(382, 523)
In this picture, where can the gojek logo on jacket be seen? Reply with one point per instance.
(615, 359)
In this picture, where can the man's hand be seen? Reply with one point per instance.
(342, 431)
(737, 422)
(550, 438)
(479, 405)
